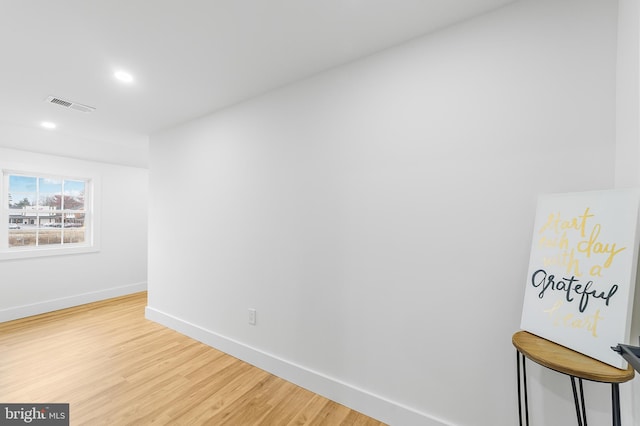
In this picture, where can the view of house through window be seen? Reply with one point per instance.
(46, 211)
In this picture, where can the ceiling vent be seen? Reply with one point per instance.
(69, 104)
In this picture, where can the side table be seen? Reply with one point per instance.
(574, 364)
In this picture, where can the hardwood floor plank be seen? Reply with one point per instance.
(310, 410)
(286, 403)
(114, 367)
(331, 414)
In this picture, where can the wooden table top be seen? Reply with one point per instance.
(567, 361)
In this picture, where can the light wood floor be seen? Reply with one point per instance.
(115, 367)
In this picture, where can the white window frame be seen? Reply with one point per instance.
(92, 217)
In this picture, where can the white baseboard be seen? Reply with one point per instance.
(45, 306)
(372, 405)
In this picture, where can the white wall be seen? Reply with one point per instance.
(36, 285)
(379, 216)
(628, 95)
(627, 173)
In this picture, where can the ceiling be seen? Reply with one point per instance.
(188, 57)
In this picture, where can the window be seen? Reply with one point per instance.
(45, 215)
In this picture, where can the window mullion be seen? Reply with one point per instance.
(36, 210)
(64, 214)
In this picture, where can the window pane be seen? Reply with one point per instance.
(19, 235)
(73, 235)
(22, 191)
(47, 236)
(74, 195)
(74, 230)
(50, 193)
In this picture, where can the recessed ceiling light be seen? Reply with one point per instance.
(123, 76)
(48, 125)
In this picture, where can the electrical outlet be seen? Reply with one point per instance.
(252, 316)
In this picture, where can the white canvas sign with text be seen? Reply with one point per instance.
(581, 278)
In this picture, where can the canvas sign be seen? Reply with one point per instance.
(581, 278)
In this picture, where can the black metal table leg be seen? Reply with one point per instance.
(581, 411)
(615, 404)
(522, 389)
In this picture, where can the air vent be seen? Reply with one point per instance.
(69, 104)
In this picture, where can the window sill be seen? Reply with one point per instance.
(35, 252)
